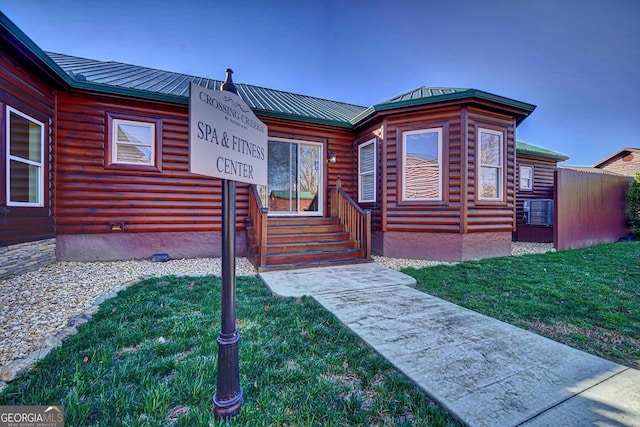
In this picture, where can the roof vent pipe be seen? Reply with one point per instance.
(228, 82)
(77, 76)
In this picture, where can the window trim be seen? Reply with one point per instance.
(501, 167)
(439, 132)
(366, 173)
(9, 158)
(111, 144)
(530, 167)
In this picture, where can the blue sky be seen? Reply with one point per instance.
(577, 60)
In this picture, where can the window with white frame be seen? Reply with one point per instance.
(491, 167)
(422, 165)
(525, 173)
(133, 142)
(367, 172)
(25, 159)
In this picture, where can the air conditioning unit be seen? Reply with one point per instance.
(538, 212)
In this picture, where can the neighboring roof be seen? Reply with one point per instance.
(147, 83)
(533, 150)
(624, 162)
(285, 194)
(618, 154)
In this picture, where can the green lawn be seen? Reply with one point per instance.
(586, 298)
(149, 358)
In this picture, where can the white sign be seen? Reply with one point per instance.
(226, 140)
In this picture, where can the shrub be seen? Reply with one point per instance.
(634, 204)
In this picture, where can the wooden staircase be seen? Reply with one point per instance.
(302, 242)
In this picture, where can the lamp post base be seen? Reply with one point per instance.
(228, 398)
(228, 408)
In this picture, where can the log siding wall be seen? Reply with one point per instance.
(92, 196)
(25, 92)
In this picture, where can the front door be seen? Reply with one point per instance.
(294, 178)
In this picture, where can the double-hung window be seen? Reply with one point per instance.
(525, 174)
(422, 165)
(491, 165)
(25, 159)
(367, 172)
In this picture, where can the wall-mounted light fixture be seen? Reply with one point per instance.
(332, 157)
(117, 226)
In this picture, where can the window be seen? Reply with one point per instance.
(132, 142)
(526, 177)
(491, 169)
(25, 162)
(367, 172)
(422, 166)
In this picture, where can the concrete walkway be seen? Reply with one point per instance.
(485, 372)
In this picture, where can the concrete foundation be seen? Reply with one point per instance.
(123, 246)
(450, 247)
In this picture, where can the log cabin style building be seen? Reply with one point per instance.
(535, 194)
(95, 159)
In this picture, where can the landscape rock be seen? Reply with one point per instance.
(78, 319)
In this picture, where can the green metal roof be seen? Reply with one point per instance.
(532, 150)
(421, 93)
(148, 83)
(148, 80)
(269, 102)
(429, 95)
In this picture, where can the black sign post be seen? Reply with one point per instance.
(228, 398)
(227, 141)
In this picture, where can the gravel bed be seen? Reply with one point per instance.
(522, 248)
(36, 306)
(39, 304)
(400, 263)
(517, 248)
